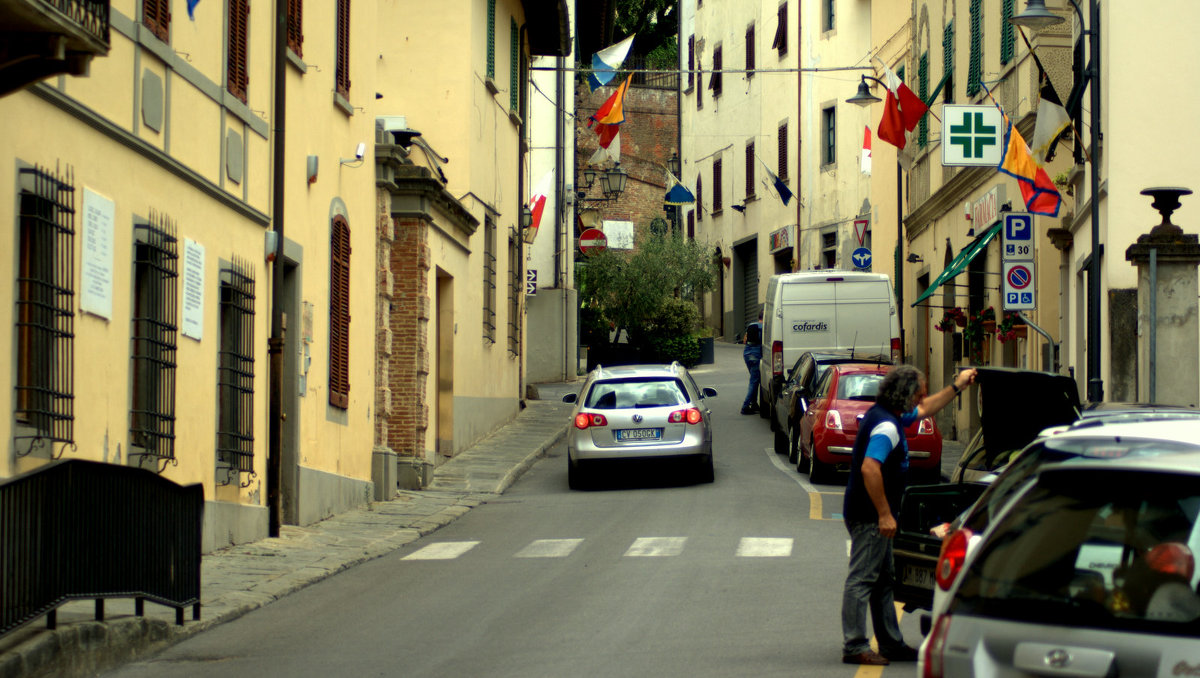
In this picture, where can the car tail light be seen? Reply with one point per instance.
(926, 427)
(691, 415)
(950, 560)
(777, 358)
(833, 420)
(935, 647)
(896, 350)
(583, 420)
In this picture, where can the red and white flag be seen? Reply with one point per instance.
(902, 110)
(537, 202)
(866, 150)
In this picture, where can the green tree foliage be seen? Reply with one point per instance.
(647, 291)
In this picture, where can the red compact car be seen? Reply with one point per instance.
(830, 424)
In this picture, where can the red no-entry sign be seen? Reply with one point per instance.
(592, 240)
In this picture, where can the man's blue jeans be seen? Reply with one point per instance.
(752, 354)
(870, 585)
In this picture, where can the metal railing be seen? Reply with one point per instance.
(76, 529)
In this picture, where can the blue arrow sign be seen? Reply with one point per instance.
(861, 258)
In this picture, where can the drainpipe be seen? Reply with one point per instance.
(275, 344)
(560, 150)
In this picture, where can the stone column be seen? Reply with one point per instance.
(1174, 364)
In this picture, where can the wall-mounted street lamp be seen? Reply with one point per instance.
(674, 165)
(612, 183)
(1035, 17)
(864, 97)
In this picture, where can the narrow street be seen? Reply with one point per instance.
(643, 576)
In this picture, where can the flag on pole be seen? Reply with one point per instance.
(191, 5)
(606, 62)
(610, 148)
(866, 150)
(902, 110)
(677, 193)
(1038, 191)
(537, 203)
(784, 193)
(1052, 121)
(612, 111)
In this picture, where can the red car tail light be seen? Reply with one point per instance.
(896, 350)
(583, 420)
(926, 427)
(950, 560)
(934, 648)
(691, 415)
(777, 358)
(833, 420)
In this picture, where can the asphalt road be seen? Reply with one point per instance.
(646, 575)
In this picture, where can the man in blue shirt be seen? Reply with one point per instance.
(871, 508)
(752, 354)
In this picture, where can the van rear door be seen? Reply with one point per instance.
(864, 315)
(809, 317)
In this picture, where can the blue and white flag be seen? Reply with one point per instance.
(191, 5)
(606, 62)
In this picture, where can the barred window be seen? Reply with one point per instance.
(515, 288)
(45, 310)
(295, 26)
(339, 313)
(237, 76)
(489, 279)
(750, 170)
(342, 77)
(156, 15)
(153, 341)
(235, 371)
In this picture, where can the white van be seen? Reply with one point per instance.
(823, 310)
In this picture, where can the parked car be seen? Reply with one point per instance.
(1088, 570)
(801, 382)
(1015, 406)
(829, 424)
(639, 412)
(823, 310)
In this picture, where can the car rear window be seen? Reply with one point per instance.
(1110, 549)
(859, 386)
(644, 392)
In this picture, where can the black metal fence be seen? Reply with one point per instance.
(77, 529)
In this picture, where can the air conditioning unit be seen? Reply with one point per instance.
(397, 126)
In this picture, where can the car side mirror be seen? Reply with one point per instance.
(570, 398)
(708, 392)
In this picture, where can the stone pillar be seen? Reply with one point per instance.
(1175, 325)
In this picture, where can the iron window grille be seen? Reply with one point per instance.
(515, 288)
(45, 311)
(235, 372)
(489, 279)
(154, 333)
(339, 313)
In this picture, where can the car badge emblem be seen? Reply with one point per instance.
(1058, 658)
(637, 418)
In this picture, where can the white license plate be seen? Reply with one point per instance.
(918, 576)
(639, 434)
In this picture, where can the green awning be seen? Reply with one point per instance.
(960, 263)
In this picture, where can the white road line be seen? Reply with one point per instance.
(765, 547)
(656, 546)
(446, 550)
(780, 463)
(549, 548)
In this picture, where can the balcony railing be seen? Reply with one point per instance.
(49, 37)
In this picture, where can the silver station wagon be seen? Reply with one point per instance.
(639, 412)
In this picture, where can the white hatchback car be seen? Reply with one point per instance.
(1089, 570)
(639, 412)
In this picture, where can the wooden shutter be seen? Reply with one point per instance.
(780, 41)
(239, 80)
(699, 199)
(717, 203)
(750, 170)
(975, 70)
(491, 40)
(343, 48)
(782, 169)
(948, 61)
(750, 52)
(514, 66)
(1007, 36)
(295, 26)
(339, 314)
(691, 61)
(923, 92)
(718, 62)
(156, 15)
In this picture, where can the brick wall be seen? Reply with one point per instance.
(408, 321)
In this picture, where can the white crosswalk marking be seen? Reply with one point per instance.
(447, 550)
(549, 548)
(656, 546)
(765, 547)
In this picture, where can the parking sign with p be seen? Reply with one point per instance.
(1018, 236)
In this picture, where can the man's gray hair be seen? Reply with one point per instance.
(899, 388)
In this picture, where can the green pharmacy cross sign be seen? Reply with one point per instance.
(972, 135)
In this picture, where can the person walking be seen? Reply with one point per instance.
(871, 509)
(752, 354)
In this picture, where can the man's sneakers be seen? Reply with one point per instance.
(749, 410)
(903, 653)
(868, 658)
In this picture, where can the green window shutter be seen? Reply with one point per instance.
(491, 37)
(975, 71)
(923, 92)
(1007, 35)
(514, 68)
(948, 60)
